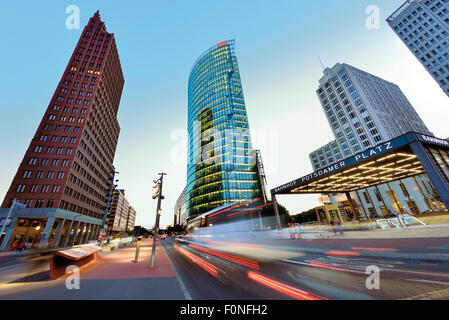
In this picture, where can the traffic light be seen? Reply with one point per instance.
(158, 189)
(137, 230)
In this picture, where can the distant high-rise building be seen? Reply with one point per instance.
(222, 166)
(363, 111)
(65, 174)
(131, 219)
(423, 25)
(122, 215)
(180, 210)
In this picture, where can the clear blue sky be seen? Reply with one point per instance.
(277, 44)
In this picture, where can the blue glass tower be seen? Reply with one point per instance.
(222, 165)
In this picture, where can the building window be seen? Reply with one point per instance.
(27, 174)
(404, 190)
(365, 195)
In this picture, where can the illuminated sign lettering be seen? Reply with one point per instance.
(374, 151)
(435, 140)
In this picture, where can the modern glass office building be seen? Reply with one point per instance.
(222, 165)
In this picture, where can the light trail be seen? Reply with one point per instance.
(281, 287)
(203, 264)
(243, 261)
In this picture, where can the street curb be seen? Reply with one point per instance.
(181, 283)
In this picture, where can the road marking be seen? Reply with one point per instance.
(316, 265)
(181, 283)
(420, 272)
(430, 281)
(373, 249)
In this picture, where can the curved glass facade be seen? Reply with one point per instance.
(222, 164)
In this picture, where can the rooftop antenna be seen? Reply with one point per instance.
(321, 62)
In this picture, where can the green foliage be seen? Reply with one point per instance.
(284, 216)
(175, 229)
(305, 217)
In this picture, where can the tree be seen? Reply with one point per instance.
(306, 216)
(284, 216)
(175, 229)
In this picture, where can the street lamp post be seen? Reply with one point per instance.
(108, 201)
(158, 214)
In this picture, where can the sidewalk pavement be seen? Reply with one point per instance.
(114, 276)
(10, 253)
(437, 225)
(434, 231)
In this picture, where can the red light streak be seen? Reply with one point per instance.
(203, 264)
(263, 205)
(243, 261)
(328, 266)
(281, 287)
(233, 207)
(342, 253)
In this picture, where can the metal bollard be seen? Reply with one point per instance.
(139, 241)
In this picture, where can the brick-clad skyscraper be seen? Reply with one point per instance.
(68, 163)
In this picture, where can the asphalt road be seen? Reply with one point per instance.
(260, 268)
